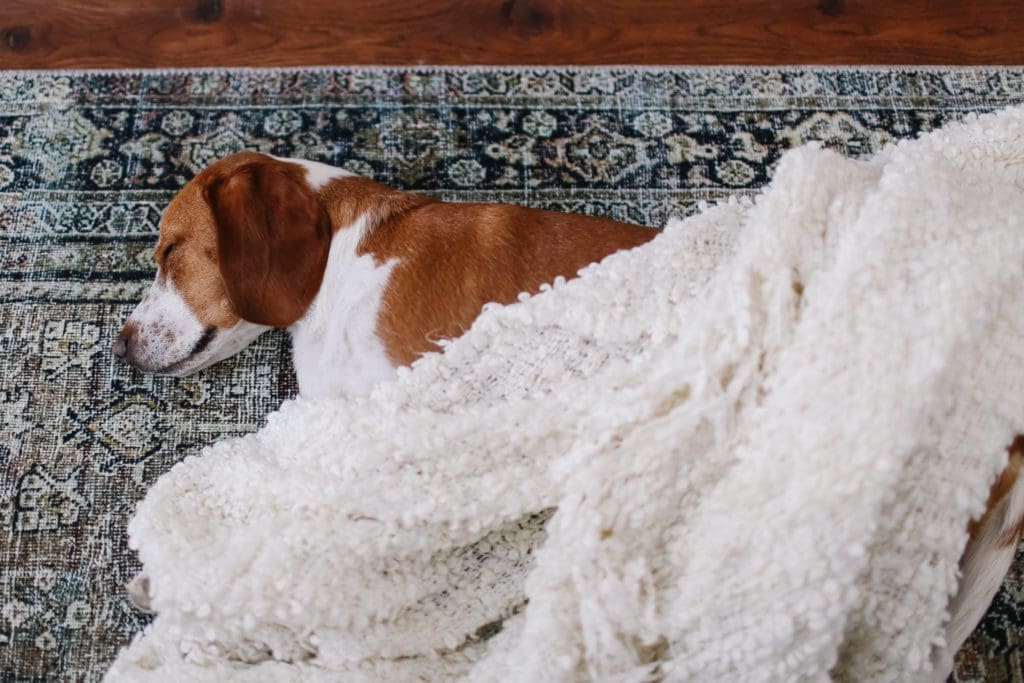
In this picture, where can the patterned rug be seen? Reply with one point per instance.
(88, 161)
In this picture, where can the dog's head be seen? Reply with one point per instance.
(243, 248)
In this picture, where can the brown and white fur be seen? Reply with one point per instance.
(991, 547)
(367, 278)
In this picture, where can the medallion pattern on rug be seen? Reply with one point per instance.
(88, 161)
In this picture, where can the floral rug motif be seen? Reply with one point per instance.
(89, 160)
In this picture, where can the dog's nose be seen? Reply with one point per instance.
(122, 344)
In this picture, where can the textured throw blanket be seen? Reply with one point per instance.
(746, 451)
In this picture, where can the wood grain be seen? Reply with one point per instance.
(189, 33)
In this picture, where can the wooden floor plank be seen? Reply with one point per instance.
(189, 33)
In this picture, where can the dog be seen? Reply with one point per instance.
(367, 278)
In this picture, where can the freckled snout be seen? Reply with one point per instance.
(160, 334)
(163, 335)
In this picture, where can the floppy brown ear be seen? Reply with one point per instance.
(273, 237)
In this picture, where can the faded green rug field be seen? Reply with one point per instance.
(88, 161)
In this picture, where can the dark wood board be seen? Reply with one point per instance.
(182, 33)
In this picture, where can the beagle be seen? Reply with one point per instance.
(367, 278)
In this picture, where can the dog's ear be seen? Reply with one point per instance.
(273, 238)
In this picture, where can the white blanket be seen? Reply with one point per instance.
(746, 451)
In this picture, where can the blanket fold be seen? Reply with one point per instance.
(746, 451)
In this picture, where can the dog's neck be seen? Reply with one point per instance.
(336, 348)
(335, 344)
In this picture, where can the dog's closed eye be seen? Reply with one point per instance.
(162, 259)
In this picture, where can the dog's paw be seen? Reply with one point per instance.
(138, 592)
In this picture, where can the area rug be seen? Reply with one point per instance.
(87, 161)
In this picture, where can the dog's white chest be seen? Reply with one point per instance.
(336, 347)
